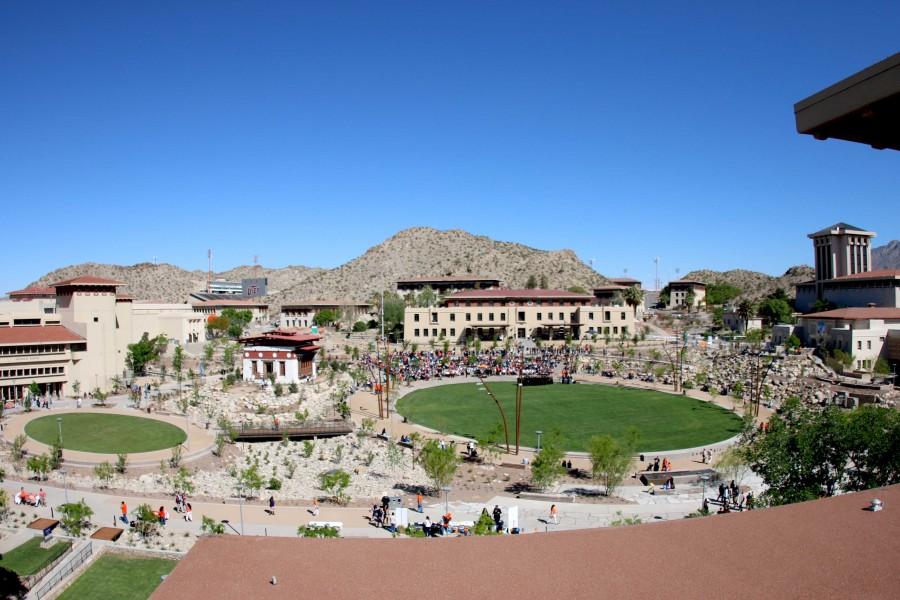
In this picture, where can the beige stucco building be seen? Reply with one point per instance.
(303, 314)
(681, 290)
(517, 314)
(210, 308)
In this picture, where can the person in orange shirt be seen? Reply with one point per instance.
(124, 512)
(419, 501)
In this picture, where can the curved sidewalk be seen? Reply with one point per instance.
(199, 442)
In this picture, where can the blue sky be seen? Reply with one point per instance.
(306, 132)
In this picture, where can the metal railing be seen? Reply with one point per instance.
(77, 559)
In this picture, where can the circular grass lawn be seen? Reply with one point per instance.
(665, 421)
(105, 433)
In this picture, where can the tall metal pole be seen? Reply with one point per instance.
(241, 494)
(59, 423)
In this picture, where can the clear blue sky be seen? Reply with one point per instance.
(306, 132)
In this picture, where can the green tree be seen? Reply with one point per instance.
(611, 458)
(217, 325)
(732, 463)
(335, 482)
(358, 327)
(427, 297)
(775, 310)
(531, 283)
(489, 443)
(485, 525)
(146, 521)
(144, 352)
(56, 454)
(577, 289)
(543, 282)
(237, 321)
(882, 367)
(720, 293)
(121, 463)
(793, 342)
(39, 465)
(546, 468)
(251, 479)
(181, 481)
(104, 472)
(326, 317)
(318, 531)
(75, 517)
(439, 464)
(633, 296)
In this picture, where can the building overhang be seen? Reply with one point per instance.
(863, 108)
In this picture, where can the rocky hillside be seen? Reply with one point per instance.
(754, 284)
(417, 252)
(887, 256)
(426, 252)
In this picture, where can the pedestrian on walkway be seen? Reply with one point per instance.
(419, 500)
(162, 516)
(124, 508)
(554, 514)
(188, 512)
(315, 507)
(272, 505)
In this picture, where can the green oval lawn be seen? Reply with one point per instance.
(665, 421)
(105, 433)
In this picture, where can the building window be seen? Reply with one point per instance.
(481, 316)
(443, 332)
(490, 316)
(434, 333)
(590, 316)
(452, 332)
(415, 333)
(607, 315)
(615, 330)
(503, 316)
(416, 317)
(96, 319)
(868, 344)
(522, 316)
(562, 317)
(539, 316)
(468, 316)
(452, 316)
(434, 317)
(623, 316)
(859, 345)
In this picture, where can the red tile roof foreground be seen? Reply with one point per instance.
(213, 303)
(522, 294)
(857, 313)
(88, 280)
(38, 334)
(823, 549)
(281, 335)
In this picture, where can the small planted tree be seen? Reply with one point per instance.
(251, 479)
(318, 531)
(56, 454)
(121, 463)
(611, 458)
(336, 483)
(146, 521)
(181, 481)
(546, 468)
(440, 464)
(75, 517)
(39, 465)
(18, 447)
(104, 472)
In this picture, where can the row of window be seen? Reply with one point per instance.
(591, 330)
(29, 372)
(607, 316)
(532, 303)
(44, 349)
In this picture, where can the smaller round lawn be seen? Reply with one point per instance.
(105, 433)
(664, 421)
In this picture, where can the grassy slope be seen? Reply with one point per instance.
(29, 558)
(666, 421)
(119, 577)
(92, 432)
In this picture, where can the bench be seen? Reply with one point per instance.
(512, 466)
(339, 525)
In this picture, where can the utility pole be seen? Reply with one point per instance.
(656, 262)
(209, 271)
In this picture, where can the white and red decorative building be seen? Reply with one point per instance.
(288, 356)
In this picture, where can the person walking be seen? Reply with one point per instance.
(315, 507)
(188, 512)
(554, 514)
(272, 505)
(419, 500)
(124, 509)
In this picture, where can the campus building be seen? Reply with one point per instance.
(501, 314)
(866, 333)
(285, 356)
(447, 285)
(214, 307)
(738, 324)
(303, 314)
(80, 336)
(680, 292)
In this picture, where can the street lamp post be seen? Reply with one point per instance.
(59, 425)
(704, 479)
(539, 434)
(241, 498)
(446, 490)
(65, 484)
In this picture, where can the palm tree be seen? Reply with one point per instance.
(745, 310)
(633, 296)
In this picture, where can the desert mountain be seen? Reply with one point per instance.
(427, 252)
(416, 252)
(887, 256)
(754, 284)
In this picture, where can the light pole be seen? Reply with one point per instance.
(65, 484)
(241, 498)
(539, 434)
(704, 479)
(446, 490)
(59, 425)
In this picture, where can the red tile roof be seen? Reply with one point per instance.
(624, 280)
(519, 294)
(38, 334)
(281, 335)
(829, 548)
(880, 274)
(34, 291)
(857, 313)
(606, 288)
(447, 279)
(88, 280)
